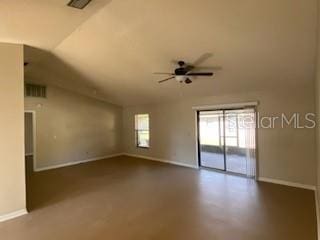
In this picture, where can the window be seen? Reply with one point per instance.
(142, 130)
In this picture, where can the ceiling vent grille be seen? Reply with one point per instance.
(33, 90)
(80, 4)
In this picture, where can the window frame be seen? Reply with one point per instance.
(137, 131)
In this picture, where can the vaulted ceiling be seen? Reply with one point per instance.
(110, 49)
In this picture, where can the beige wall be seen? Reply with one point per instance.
(317, 100)
(28, 133)
(285, 154)
(71, 127)
(12, 171)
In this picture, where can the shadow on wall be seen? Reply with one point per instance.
(45, 67)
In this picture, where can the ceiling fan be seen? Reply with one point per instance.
(184, 73)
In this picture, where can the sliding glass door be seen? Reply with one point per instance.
(227, 140)
(211, 139)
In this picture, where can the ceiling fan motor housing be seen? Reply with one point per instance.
(180, 71)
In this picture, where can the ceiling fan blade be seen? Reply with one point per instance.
(189, 68)
(200, 74)
(202, 59)
(208, 68)
(163, 73)
(167, 79)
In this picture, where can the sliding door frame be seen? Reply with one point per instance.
(224, 141)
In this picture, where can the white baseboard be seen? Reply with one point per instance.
(28, 154)
(12, 215)
(162, 160)
(76, 162)
(286, 183)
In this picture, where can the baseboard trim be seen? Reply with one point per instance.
(76, 162)
(286, 183)
(13, 215)
(261, 179)
(162, 160)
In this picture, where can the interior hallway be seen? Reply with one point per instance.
(130, 198)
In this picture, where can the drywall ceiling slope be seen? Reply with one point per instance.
(42, 24)
(46, 68)
(259, 45)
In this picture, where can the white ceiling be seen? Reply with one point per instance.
(110, 49)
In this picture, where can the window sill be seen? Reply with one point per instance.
(142, 147)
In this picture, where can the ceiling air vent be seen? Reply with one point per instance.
(80, 4)
(33, 90)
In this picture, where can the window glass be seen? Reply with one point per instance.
(142, 130)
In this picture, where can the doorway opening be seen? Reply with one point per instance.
(30, 149)
(227, 140)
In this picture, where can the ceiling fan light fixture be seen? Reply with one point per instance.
(180, 78)
(188, 81)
